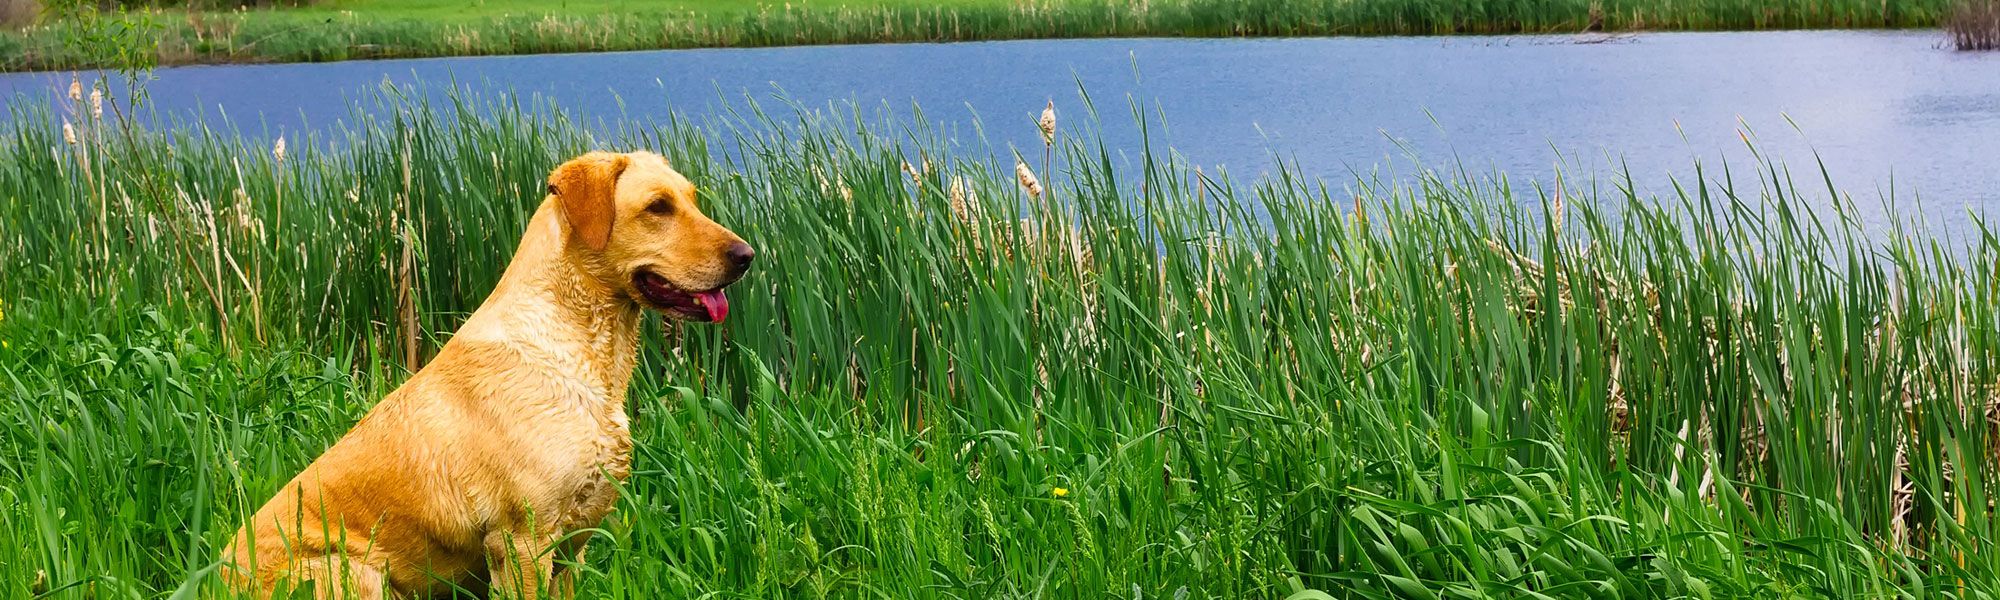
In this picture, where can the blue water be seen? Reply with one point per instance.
(1877, 107)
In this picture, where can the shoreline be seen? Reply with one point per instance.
(307, 35)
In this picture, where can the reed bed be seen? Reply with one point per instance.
(281, 36)
(1142, 382)
(1974, 25)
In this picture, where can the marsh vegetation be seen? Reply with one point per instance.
(375, 29)
(1143, 380)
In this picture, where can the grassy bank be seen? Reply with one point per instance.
(379, 29)
(1143, 383)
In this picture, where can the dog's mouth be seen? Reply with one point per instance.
(709, 306)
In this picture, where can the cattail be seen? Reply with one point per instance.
(962, 199)
(75, 89)
(841, 182)
(1559, 201)
(1027, 179)
(96, 103)
(278, 150)
(916, 176)
(1048, 124)
(69, 133)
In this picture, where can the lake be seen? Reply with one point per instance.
(1876, 107)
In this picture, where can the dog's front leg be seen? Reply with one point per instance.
(519, 564)
(562, 584)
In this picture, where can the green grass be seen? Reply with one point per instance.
(1247, 389)
(378, 29)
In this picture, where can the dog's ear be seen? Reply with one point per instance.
(586, 190)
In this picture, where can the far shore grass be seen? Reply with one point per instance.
(363, 29)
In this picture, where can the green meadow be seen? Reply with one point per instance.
(1149, 381)
(360, 29)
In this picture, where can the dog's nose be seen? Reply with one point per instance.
(739, 255)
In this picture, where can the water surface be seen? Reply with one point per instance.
(1877, 107)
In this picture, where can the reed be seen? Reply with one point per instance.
(1149, 382)
(17, 13)
(178, 37)
(1974, 25)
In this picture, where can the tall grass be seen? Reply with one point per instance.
(1146, 382)
(279, 36)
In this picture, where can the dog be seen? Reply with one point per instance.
(486, 464)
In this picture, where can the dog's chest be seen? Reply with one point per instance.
(573, 419)
(588, 470)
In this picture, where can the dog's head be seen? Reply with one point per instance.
(634, 221)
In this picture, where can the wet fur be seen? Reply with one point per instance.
(515, 436)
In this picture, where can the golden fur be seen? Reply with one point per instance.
(515, 436)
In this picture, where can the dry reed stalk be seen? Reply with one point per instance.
(1974, 25)
(406, 293)
(19, 13)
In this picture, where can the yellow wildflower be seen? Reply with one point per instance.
(1060, 492)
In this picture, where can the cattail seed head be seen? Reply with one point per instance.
(69, 133)
(1558, 208)
(1048, 124)
(75, 89)
(962, 199)
(1027, 178)
(278, 150)
(96, 104)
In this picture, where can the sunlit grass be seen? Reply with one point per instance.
(1145, 379)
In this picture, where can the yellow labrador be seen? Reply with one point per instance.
(515, 436)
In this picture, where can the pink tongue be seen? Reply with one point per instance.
(716, 303)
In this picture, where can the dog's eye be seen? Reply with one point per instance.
(660, 207)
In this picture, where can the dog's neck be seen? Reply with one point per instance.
(549, 307)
